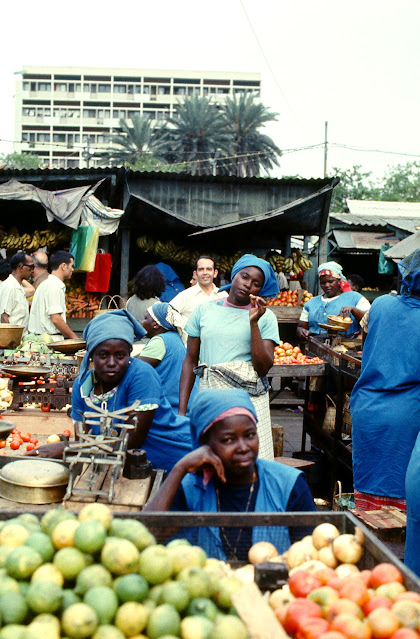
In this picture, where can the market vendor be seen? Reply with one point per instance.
(116, 381)
(385, 402)
(337, 299)
(165, 350)
(224, 474)
(234, 340)
(412, 539)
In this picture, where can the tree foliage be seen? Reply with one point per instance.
(133, 142)
(21, 161)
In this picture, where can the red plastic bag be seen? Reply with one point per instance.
(98, 280)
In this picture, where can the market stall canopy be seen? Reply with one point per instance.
(404, 248)
(68, 206)
(357, 241)
(211, 201)
(304, 216)
(406, 224)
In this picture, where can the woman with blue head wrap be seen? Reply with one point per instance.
(165, 350)
(234, 340)
(385, 402)
(337, 299)
(116, 381)
(223, 473)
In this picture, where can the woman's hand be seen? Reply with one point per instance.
(200, 459)
(302, 333)
(49, 451)
(346, 311)
(258, 308)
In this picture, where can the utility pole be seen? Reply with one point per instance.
(325, 149)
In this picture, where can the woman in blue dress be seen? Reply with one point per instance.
(337, 299)
(234, 339)
(225, 474)
(385, 402)
(412, 493)
(165, 350)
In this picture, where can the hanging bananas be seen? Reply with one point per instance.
(12, 241)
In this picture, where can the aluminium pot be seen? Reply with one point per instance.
(34, 481)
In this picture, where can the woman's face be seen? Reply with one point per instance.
(149, 324)
(110, 361)
(248, 280)
(235, 441)
(330, 285)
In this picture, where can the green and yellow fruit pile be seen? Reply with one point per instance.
(296, 263)
(100, 577)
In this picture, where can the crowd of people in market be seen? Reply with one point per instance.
(201, 376)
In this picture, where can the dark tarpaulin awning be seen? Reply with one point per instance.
(305, 216)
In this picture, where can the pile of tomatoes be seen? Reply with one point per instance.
(285, 353)
(16, 439)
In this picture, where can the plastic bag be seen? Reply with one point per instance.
(98, 280)
(384, 266)
(84, 246)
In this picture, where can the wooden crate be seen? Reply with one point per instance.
(297, 370)
(286, 314)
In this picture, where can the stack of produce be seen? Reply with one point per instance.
(285, 353)
(31, 343)
(11, 240)
(328, 597)
(6, 396)
(106, 578)
(295, 264)
(80, 303)
(289, 298)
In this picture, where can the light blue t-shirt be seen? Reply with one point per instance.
(225, 332)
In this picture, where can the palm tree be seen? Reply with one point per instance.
(251, 149)
(132, 143)
(195, 135)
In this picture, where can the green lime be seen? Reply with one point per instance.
(48, 572)
(94, 575)
(8, 584)
(70, 562)
(43, 626)
(30, 519)
(131, 618)
(134, 531)
(4, 553)
(104, 601)
(196, 627)
(108, 632)
(69, 597)
(13, 608)
(44, 596)
(204, 607)
(131, 587)
(163, 620)
(90, 536)
(79, 621)
(196, 580)
(120, 556)
(14, 534)
(42, 543)
(53, 517)
(156, 564)
(229, 626)
(176, 594)
(99, 512)
(13, 631)
(22, 562)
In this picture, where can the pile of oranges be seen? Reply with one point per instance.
(285, 353)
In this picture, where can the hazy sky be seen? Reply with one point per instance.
(354, 64)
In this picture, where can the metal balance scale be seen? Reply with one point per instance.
(103, 452)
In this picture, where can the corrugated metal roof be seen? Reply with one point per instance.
(384, 209)
(405, 247)
(408, 224)
(362, 240)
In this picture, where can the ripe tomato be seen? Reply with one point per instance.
(26, 437)
(30, 446)
(33, 440)
(298, 611)
(67, 433)
(14, 444)
(2, 443)
(383, 574)
(46, 408)
(312, 628)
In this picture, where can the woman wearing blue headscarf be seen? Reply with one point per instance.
(337, 299)
(117, 380)
(223, 474)
(234, 340)
(385, 402)
(165, 350)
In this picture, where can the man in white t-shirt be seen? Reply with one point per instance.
(14, 307)
(48, 310)
(205, 290)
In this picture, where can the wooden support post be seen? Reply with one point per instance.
(125, 262)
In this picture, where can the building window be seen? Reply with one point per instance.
(26, 86)
(43, 137)
(104, 88)
(72, 164)
(120, 88)
(60, 86)
(59, 137)
(89, 113)
(28, 112)
(44, 86)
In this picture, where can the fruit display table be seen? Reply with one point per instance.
(280, 371)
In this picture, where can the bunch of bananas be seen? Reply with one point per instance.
(145, 243)
(12, 241)
(293, 263)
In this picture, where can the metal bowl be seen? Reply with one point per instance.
(68, 345)
(34, 481)
(10, 335)
(338, 321)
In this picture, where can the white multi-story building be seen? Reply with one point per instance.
(64, 114)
